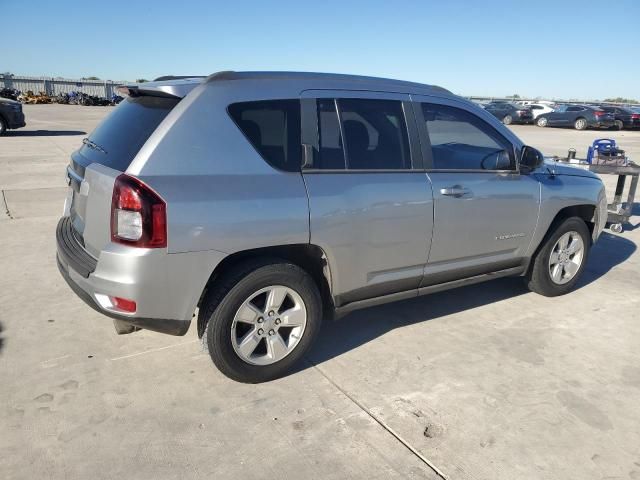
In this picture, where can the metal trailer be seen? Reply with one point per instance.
(620, 211)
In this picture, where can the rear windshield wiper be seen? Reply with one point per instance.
(93, 145)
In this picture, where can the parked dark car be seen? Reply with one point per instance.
(509, 113)
(11, 115)
(579, 117)
(624, 117)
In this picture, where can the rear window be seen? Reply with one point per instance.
(273, 128)
(117, 140)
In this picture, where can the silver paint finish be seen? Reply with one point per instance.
(162, 285)
(98, 181)
(495, 205)
(561, 191)
(377, 229)
(176, 88)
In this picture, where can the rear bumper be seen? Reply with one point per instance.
(171, 327)
(166, 287)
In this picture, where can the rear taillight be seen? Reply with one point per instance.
(138, 214)
(598, 113)
(635, 116)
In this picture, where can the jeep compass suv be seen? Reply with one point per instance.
(267, 201)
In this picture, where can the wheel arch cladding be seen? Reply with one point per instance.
(586, 212)
(310, 258)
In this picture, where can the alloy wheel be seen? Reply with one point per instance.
(268, 325)
(566, 258)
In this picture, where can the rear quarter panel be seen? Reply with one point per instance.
(221, 195)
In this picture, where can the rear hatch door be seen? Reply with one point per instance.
(106, 153)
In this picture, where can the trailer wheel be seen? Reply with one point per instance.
(616, 227)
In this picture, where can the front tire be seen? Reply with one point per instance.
(558, 264)
(261, 319)
(542, 121)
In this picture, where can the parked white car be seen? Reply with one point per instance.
(539, 109)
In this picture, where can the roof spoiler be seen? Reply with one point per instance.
(176, 77)
(169, 86)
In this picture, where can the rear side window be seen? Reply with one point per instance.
(273, 128)
(362, 134)
(117, 140)
(331, 154)
(462, 141)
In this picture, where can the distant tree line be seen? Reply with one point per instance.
(620, 100)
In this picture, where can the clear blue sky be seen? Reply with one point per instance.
(559, 48)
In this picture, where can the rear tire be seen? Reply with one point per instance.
(240, 291)
(619, 125)
(540, 276)
(507, 120)
(580, 124)
(542, 121)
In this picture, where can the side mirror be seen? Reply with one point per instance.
(530, 159)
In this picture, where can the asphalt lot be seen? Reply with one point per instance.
(485, 382)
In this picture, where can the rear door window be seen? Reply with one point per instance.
(375, 134)
(117, 140)
(273, 128)
(330, 154)
(362, 134)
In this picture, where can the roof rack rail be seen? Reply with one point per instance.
(176, 77)
(267, 75)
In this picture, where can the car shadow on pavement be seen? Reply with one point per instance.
(44, 133)
(609, 251)
(363, 326)
(635, 211)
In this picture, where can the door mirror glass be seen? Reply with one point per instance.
(530, 159)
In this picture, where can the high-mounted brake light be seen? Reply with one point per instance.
(138, 214)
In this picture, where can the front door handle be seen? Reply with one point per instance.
(454, 191)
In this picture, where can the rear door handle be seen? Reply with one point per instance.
(454, 191)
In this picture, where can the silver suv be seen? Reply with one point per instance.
(269, 201)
